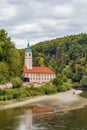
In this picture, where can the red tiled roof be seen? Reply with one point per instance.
(38, 69)
(8, 83)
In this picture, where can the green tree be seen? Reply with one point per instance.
(83, 81)
(67, 71)
(9, 55)
(4, 71)
(14, 62)
(58, 80)
(17, 82)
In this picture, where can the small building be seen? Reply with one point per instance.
(6, 85)
(35, 74)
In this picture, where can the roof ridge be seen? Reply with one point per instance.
(38, 69)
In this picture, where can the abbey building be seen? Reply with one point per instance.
(35, 74)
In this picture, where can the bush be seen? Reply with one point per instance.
(83, 81)
(2, 91)
(16, 94)
(1, 98)
(76, 85)
(2, 78)
(66, 86)
(57, 81)
(48, 89)
(17, 82)
(65, 79)
(84, 94)
(9, 97)
(4, 98)
(23, 95)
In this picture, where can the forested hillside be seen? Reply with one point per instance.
(66, 56)
(10, 60)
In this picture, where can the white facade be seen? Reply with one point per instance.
(6, 85)
(39, 78)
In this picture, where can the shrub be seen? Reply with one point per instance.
(4, 98)
(84, 94)
(16, 94)
(9, 97)
(49, 89)
(83, 81)
(76, 85)
(65, 79)
(66, 86)
(63, 88)
(17, 82)
(2, 78)
(2, 91)
(1, 98)
(23, 95)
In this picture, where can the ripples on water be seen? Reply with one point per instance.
(15, 120)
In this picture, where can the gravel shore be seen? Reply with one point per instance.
(63, 101)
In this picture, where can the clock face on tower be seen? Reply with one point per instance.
(28, 55)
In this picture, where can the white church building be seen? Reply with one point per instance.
(35, 74)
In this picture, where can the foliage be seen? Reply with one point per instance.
(65, 86)
(66, 56)
(16, 82)
(26, 91)
(3, 72)
(10, 61)
(76, 85)
(83, 81)
(58, 80)
(84, 94)
(48, 89)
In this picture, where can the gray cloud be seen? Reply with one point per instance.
(39, 20)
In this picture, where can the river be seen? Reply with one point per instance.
(18, 119)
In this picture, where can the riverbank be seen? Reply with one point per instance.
(63, 101)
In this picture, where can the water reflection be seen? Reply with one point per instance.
(28, 119)
(74, 120)
(22, 119)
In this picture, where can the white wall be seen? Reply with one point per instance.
(39, 78)
(8, 85)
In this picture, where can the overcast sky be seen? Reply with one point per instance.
(40, 20)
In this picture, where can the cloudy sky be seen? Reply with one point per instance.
(40, 20)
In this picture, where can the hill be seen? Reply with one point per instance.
(66, 56)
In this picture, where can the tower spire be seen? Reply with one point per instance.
(28, 57)
(28, 45)
(28, 49)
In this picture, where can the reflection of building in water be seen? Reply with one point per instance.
(28, 119)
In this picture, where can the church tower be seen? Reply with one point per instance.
(28, 58)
